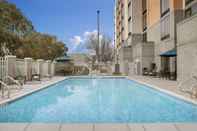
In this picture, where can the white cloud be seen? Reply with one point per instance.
(87, 33)
(76, 40)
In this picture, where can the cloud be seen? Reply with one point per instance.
(76, 40)
(88, 34)
(78, 43)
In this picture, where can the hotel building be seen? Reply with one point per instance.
(146, 33)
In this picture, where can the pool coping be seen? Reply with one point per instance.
(98, 127)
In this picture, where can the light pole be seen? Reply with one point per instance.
(98, 35)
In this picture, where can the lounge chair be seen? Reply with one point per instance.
(48, 76)
(36, 77)
(145, 72)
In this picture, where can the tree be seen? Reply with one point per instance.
(18, 37)
(105, 48)
(9, 41)
(12, 20)
(13, 25)
(41, 46)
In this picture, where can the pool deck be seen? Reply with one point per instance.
(166, 86)
(29, 88)
(97, 127)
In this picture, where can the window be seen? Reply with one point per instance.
(144, 5)
(144, 37)
(144, 15)
(129, 10)
(144, 21)
(165, 27)
(165, 7)
(191, 10)
(130, 16)
(188, 12)
(187, 2)
(130, 26)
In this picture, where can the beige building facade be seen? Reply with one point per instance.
(148, 33)
(187, 42)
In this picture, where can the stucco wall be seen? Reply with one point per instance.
(153, 12)
(187, 48)
(136, 19)
(154, 35)
(143, 53)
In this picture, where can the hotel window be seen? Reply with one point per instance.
(144, 37)
(130, 27)
(165, 27)
(165, 7)
(191, 10)
(188, 12)
(144, 14)
(187, 2)
(129, 17)
(144, 22)
(144, 5)
(129, 11)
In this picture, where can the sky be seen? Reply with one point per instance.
(69, 20)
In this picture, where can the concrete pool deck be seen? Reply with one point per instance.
(97, 127)
(29, 88)
(165, 86)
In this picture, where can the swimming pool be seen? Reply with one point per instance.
(98, 100)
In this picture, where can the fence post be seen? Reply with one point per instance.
(49, 67)
(40, 67)
(53, 68)
(11, 66)
(28, 68)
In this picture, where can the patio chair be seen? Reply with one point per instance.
(48, 76)
(145, 71)
(36, 77)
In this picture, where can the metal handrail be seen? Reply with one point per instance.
(15, 81)
(3, 89)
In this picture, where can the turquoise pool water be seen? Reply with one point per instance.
(105, 100)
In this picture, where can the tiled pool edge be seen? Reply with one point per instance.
(16, 97)
(98, 127)
(171, 93)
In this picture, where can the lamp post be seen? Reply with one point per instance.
(98, 35)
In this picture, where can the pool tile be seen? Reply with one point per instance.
(160, 127)
(76, 127)
(12, 127)
(136, 127)
(187, 127)
(43, 127)
(111, 127)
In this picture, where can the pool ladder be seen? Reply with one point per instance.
(3, 88)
